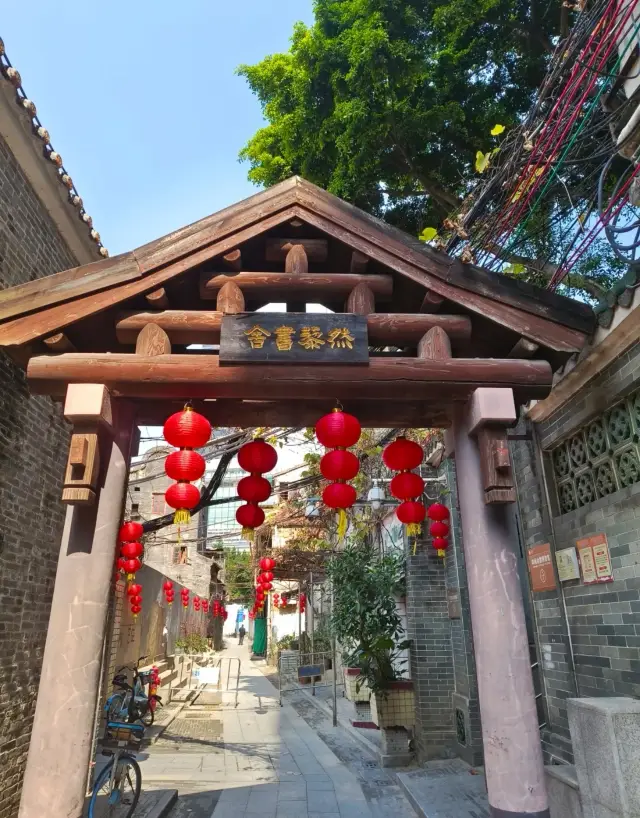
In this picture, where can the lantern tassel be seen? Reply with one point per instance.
(342, 523)
(441, 552)
(415, 548)
(182, 516)
(414, 529)
(248, 534)
(130, 577)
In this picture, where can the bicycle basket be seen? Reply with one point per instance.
(118, 734)
(145, 678)
(120, 680)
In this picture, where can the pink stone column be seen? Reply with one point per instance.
(512, 748)
(59, 753)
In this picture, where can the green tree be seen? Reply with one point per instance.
(238, 575)
(386, 102)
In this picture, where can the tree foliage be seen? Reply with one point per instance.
(386, 102)
(238, 574)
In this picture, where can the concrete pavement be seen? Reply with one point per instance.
(256, 759)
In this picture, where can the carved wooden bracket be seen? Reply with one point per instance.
(88, 407)
(491, 411)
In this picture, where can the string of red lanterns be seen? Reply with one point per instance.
(168, 591)
(338, 431)
(302, 603)
(131, 551)
(439, 529)
(134, 592)
(186, 430)
(184, 593)
(256, 457)
(403, 456)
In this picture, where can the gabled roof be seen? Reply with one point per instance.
(38, 309)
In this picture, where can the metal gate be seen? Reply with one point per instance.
(304, 671)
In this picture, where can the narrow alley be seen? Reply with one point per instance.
(260, 758)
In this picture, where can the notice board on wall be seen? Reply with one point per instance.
(541, 568)
(595, 559)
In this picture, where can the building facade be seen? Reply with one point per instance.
(41, 233)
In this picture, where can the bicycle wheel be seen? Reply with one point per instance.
(119, 800)
(116, 704)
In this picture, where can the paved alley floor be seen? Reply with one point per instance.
(267, 760)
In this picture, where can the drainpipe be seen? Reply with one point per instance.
(547, 500)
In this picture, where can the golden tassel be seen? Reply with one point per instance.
(248, 534)
(415, 548)
(414, 529)
(130, 577)
(342, 523)
(441, 552)
(182, 516)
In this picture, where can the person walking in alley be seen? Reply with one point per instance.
(241, 633)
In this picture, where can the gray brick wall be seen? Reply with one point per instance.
(33, 449)
(603, 620)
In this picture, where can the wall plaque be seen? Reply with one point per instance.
(541, 568)
(595, 559)
(567, 563)
(294, 338)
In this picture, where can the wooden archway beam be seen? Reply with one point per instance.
(294, 285)
(202, 376)
(203, 327)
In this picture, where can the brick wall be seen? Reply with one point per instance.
(33, 448)
(602, 624)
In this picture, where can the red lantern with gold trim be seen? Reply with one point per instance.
(439, 528)
(134, 590)
(403, 455)
(250, 517)
(130, 568)
(131, 550)
(267, 564)
(412, 514)
(130, 532)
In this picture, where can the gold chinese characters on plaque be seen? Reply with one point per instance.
(595, 560)
(294, 338)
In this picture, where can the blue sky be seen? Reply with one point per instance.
(141, 101)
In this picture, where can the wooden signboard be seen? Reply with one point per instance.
(541, 568)
(595, 560)
(294, 338)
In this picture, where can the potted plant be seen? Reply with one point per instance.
(366, 622)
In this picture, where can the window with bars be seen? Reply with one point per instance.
(601, 458)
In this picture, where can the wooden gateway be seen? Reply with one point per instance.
(408, 337)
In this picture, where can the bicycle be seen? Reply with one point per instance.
(133, 704)
(117, 788)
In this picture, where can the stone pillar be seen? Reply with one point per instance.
(606, 745)
(511, 739)
(60, 749)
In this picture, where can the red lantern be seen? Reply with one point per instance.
(205, 605)
(134, 590)
(250, 517)
(438, 512)
(187, 429)
(131, 566)
(257, 457)
(440, 544)
(183, 497)
(266, 576)
(185, 465)
(339, 465)
(406, 485)
(411, 513)
(135, 610)
(438, 529)
(267, 586)
(130, 531)
(402, 455)
(168, 585)
(254, 489)
(339, 495)
(338, 430)
(131, 550)
(136, 600)
(121, 562)
(267, 564)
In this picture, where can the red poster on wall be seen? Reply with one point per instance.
(541, 568)
(595, 559)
